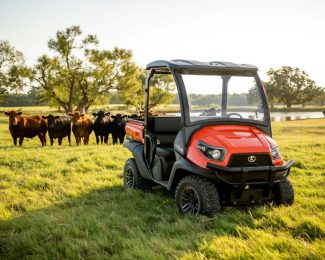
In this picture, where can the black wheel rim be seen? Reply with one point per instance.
(190, 202)
(129, 178)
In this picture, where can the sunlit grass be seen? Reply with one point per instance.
(68, 202)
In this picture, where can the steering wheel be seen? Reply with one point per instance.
(234, 114)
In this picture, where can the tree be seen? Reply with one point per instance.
(253, 94)
(79, 74)
(135, 96)
(320, 99)
(291, 86)
(162, 87)
(161, 90)
(271, 92)
(12, 69)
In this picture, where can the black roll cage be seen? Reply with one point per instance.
(178, 67)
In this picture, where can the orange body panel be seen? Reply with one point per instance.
(134, 131)
(236, 139)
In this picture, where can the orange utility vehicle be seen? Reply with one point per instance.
(215, 152)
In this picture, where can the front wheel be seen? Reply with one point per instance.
(195, 195)
(132, 177)
(283, 192)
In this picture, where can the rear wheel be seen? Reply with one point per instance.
(283, 192)
(195, 195)
(132, 177)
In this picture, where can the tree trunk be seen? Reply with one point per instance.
(81, 108)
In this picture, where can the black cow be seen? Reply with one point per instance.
(118, 128)
(102, 126)
(134, 116)
(58, 127)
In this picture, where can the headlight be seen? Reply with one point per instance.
(275, 152)
(212, 153)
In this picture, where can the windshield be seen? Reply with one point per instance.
(223, 96)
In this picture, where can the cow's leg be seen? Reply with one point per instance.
(106, 139)
(114, 140)
(60, 140)
(40, 136)
(77, 139)
(69, 138)
(97, 139)
(86, 138)
(101, 139)
(121, 139)
(21, 139)
(15, 140)
(44, 138)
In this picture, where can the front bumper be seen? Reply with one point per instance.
(242, 176)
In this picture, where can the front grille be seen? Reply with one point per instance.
(242, 160)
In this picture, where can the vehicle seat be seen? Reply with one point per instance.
(164, 129)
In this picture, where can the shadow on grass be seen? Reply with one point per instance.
(114, 222)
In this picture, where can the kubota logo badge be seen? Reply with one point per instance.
(251, 158)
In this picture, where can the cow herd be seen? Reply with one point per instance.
(58, 127)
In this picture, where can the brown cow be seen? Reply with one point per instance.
(22, 126)
(82, 127)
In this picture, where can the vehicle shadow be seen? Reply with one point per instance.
(113, 222)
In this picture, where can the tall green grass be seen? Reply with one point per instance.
(68, 202)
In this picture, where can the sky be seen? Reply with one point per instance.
(265, 33)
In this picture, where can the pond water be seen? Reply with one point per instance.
(287, 116)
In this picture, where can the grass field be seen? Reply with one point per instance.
(68, 202)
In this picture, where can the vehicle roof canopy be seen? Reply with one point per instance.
(192, 64)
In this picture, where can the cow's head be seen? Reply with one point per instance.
(13, 116)
(50, 120)
(119, 119)
(100, 115)
(76, 117)
(141, 113)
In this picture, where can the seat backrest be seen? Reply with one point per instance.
(164, 128)
(164, 124)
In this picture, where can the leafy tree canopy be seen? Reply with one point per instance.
(162, 88)
(12, 69)
(79, 74)
(291, 86)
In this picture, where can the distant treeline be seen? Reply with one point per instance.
(31, 99)
(22, 100)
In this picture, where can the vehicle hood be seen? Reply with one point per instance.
(235, 139)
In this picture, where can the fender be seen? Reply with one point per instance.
(182, 168)
(136, 149)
